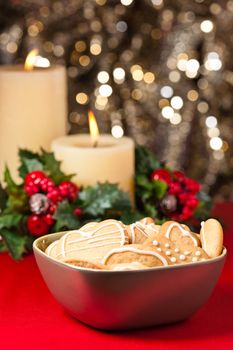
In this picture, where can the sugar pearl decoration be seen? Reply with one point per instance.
(167, 245)
(176, 250)
(159, 249)
(168, 252)
(156, 243)
(173, 259)
(198, 253)
(194, 259)
(182, 257)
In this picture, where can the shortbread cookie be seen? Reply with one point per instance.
(180, 234)
(212, 237)
(142, 254)
(91, 242)
(137, 231)
(85, 264)
(178, 254)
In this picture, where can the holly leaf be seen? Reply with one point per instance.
(103, 198)
(159, 188)
(16, 244)
(29, 165)
(53, 167)
(12, 187)
(3, 247)
(131, 216)
(150, 210)
(65, 218)
(3, 198)
(146, 161)
(29, 161)
(9, 220)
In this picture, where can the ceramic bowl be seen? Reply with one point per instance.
(113, 300)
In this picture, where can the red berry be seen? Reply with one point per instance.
(54, 195)
(52, 208)
(78, 212)
(186, 213)
(174, 187)
(179, 175)
(47, 184)
(36, 225)
(192, 185)
(192, 202)
(68, 190)
(184, 197)
(32, 182)
(48, 218)
(162, 175)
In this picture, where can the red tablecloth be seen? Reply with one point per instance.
(31, 319)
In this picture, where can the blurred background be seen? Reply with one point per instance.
(158, 71)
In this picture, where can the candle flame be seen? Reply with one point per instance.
(94, 130)
(30, 60)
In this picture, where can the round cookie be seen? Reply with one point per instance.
(142, 254)
(177, 254)
(212, 237)
(180, 234)
(91, 242)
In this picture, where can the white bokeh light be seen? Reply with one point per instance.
(126, 2)
(103, 77)
(119, 74)
(211, 121)
(192, 65)
(216, 143)
(166, 91)
(177, 102)
(167, 112)
(176, 119)
(213, 62)
(207, 26)
(117, 131)
(105, 90)
(213, 132)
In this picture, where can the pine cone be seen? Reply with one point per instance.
(39, 203)
(169, 204)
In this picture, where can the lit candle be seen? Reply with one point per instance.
(97, 158)
(33, 108)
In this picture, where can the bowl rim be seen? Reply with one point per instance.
(37, 250)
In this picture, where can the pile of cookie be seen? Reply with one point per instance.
(111, 245)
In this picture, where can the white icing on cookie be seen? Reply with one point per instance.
(51, 247)
(182, 230)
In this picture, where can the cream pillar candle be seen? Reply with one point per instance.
(33, 110)
(112, 160)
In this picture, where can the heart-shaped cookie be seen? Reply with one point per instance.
(91, 242)
(180, 234)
